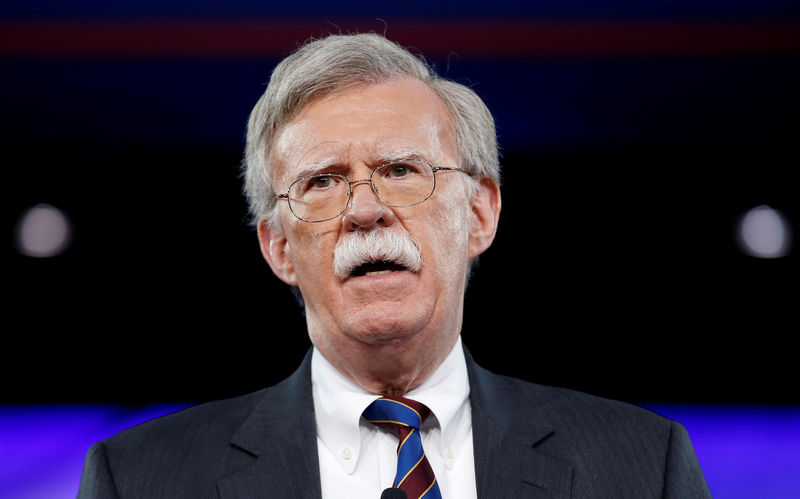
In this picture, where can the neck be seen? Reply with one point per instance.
(390, 369)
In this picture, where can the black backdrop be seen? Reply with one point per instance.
(615, 269)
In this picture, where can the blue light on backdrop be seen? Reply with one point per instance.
(42, 447)
(745, 451)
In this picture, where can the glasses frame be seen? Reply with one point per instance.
(351, 183)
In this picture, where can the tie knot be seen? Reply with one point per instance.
(398, 411)
(404, 417)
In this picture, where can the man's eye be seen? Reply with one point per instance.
(320, 182)
(316, 183)
(397, 171)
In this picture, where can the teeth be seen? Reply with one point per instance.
(378, 272)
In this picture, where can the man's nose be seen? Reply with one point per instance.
(366, 210)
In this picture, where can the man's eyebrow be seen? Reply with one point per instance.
(401, 154)
(309, 169)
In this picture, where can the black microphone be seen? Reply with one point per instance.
(392, 493)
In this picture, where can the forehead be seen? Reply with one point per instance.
(367, 124)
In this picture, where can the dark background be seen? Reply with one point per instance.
(634, 138)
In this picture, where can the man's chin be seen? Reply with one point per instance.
(387, 322)
(384, 336)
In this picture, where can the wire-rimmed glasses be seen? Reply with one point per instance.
(325, 196)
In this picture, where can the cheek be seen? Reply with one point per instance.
(310, 251)
(448, 233)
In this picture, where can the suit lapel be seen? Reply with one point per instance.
(506, 432)
(280, 435)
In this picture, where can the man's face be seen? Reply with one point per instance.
(350, 133)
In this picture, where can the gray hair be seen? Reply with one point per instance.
(323, 66)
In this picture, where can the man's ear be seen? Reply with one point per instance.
(486, 206)
(275, 249)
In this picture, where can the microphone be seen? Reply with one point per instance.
(392, 493)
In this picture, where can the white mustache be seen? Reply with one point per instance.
(377, 245)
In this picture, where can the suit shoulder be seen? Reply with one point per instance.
(219, 418)
(578, 423)
(187, 453)
(178, 455)
(564, 401)
(559, 407)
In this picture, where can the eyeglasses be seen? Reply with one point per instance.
(325, 196)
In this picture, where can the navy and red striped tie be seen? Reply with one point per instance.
(404, 417)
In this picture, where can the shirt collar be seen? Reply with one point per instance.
(339, 402)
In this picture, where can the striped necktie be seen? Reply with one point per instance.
(403, 417)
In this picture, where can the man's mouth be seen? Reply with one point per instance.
(376, 268)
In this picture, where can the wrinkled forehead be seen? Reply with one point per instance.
(343, 158)
(367, 125)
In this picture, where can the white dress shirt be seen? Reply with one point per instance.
(358, 460)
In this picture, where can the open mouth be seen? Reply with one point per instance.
(376, 268)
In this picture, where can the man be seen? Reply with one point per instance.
(374, 184)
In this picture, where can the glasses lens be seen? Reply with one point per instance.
(404, 183)
(319, 197)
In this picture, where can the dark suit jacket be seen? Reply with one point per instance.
(529, 441)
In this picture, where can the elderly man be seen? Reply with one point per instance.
(374, 184)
